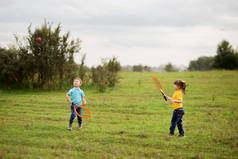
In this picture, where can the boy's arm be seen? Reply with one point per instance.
(68, 99)
(84, 101)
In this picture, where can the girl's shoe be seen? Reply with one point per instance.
(181, 135)
(170, 134)
(80, 126)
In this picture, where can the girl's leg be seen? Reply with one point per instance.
(180, 127)
(173, 123)
(180, 122)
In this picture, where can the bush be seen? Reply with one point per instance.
(106, 75)
(99, 77)
(113, 67)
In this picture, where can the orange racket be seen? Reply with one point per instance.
(159, 86)
(89, 113)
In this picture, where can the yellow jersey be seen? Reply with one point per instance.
(176, 96)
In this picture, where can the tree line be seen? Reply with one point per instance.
(226, 58)
(169, 67)
(44, 59)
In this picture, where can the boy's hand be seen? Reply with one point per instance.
(68, 99)
(84, 101)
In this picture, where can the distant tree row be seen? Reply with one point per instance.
(226, 58)
(136, 68)
(162, 68)
(141, 68)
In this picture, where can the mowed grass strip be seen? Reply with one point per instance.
(129, 121)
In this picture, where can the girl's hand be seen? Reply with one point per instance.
(171, 100)
(168, 97)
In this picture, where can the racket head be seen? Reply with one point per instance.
(81, 106)
(158, 83)
(159, 86)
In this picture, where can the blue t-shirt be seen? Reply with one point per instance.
(76, 95)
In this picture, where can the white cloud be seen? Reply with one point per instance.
(136, 31)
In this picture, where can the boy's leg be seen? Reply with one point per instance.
(72, 116)
(173, 123)
(79, 110)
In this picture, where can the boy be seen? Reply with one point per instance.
(77, 98)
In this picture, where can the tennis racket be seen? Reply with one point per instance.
(159, 86)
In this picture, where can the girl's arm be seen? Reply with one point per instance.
(168, 97)
(68, 99)
(84, 101)
(177, 101)
(171, 100)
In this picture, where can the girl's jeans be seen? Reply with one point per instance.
(177, 120)
(73, 114)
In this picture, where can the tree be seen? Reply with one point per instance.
(113, 66)
(52, 58)
(202, 63)
(9, 67)
(147, 69)
(82, 68)
(226, 57)
(138, 68)
(170, 68)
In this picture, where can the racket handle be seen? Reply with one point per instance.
(165, 98)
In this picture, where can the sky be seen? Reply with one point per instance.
(147, 32)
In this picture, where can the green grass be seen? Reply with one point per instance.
(129, 121)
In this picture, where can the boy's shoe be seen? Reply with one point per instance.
(70, 127)
(80, 126)
(170, 134)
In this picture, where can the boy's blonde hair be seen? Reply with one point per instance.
(77, 78)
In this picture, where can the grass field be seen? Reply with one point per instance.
(129, 121)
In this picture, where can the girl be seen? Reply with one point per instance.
(176, 101)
